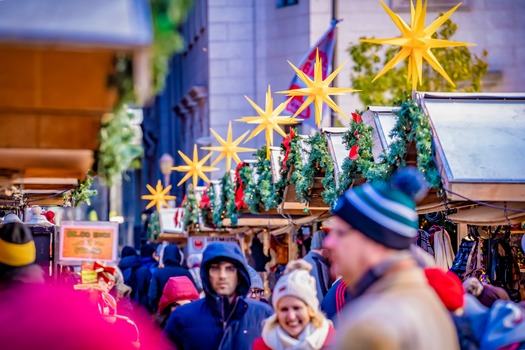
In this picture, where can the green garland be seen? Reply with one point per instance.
(207, 212)
(81, 193)
(228, 198)
(290, 163)
(153, 231)
(118, 151)
(412, 126)
(192, 213)
(252, 196)
(318, 159)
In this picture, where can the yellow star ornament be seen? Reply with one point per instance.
(194, 168)
(228, 148)
(268, 120)
(416, 42)
(158, 196)
(318, 90)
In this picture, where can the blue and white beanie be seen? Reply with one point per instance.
(385, 212)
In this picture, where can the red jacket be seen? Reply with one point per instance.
(259, 344)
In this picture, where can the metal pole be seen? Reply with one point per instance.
(334, 17)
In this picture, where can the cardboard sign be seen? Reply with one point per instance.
(172, 220)
(85, 241)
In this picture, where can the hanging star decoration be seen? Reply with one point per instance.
(268, 120)
(416, 42)
(194, 168)
(228, 148)
(318, 90)
(158, 196)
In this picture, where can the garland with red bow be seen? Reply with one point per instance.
(239, 186)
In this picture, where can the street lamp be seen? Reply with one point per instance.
(165, 165)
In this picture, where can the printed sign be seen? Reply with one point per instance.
(84, 241)
(172, 220)
(197, 244)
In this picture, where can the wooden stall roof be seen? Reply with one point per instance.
(113, 24)
(479, 141)
(491, 216)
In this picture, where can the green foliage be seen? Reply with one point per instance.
(82, 192)
(192, 209)
(319, 159)
(228, 198)
(118, 151)
(167, 17)
(153, 231)
(252, 196)
(464, 68)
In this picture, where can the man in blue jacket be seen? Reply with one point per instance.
(172, 267)
(225, 318)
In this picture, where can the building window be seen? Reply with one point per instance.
(284, 3)
(432, 5)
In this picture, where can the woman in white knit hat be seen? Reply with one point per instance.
(297, 323)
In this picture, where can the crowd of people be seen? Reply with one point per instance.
(362, 285)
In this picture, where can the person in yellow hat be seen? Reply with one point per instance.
(17, 256)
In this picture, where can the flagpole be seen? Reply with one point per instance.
(334, 18)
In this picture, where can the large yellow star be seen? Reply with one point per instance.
(194, 168)
(158, 196)
(318, 90)
(268, 120)
(416, 41)
(228, 148)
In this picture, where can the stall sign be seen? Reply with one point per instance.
(86, 241)
(197, 244)
(172, 220)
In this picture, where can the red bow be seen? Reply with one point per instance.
(183, 200)
(354, 152)
(239, 191)
(357, 117)
(205, 200)
(99, 267)
(286, 143)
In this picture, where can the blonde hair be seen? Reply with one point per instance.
(317, 319)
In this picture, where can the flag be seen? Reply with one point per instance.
(325, 45)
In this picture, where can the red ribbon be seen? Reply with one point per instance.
(239, 191)
(357, 117)
(99, 268)
(286, 143)
(176, 218)
(354, 152)
(205, 200)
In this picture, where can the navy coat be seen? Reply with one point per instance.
(129, 265)
(211, 322)
(172, 268)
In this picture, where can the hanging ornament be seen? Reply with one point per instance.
(268, 120)
(416, 42)
(194, 168)
(228, 148)
(318, 90)
(158, 196)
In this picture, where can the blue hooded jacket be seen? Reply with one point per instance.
(172, 268)
(211, 322)
(128, 264)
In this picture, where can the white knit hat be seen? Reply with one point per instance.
(297, 282)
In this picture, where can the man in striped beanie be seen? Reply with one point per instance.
(17, 256)
(392, 306)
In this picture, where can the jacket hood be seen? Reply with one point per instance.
(172, 256)
(230, 252)
(129, 261)
(127, 251)
(179, 288)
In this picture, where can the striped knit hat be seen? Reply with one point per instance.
(385, 212)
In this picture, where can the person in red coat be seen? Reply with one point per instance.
(298, 322)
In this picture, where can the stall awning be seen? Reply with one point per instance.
(382, 119)
(115, 23)
(336, 148)
(480, 142)
(491, 216)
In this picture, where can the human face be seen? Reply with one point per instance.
(256, 293)
(223, 278)
(292, 315)
(348, 249)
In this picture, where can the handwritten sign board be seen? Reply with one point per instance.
(85, 241)
(172, 220)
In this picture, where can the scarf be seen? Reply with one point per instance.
(311, 338)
